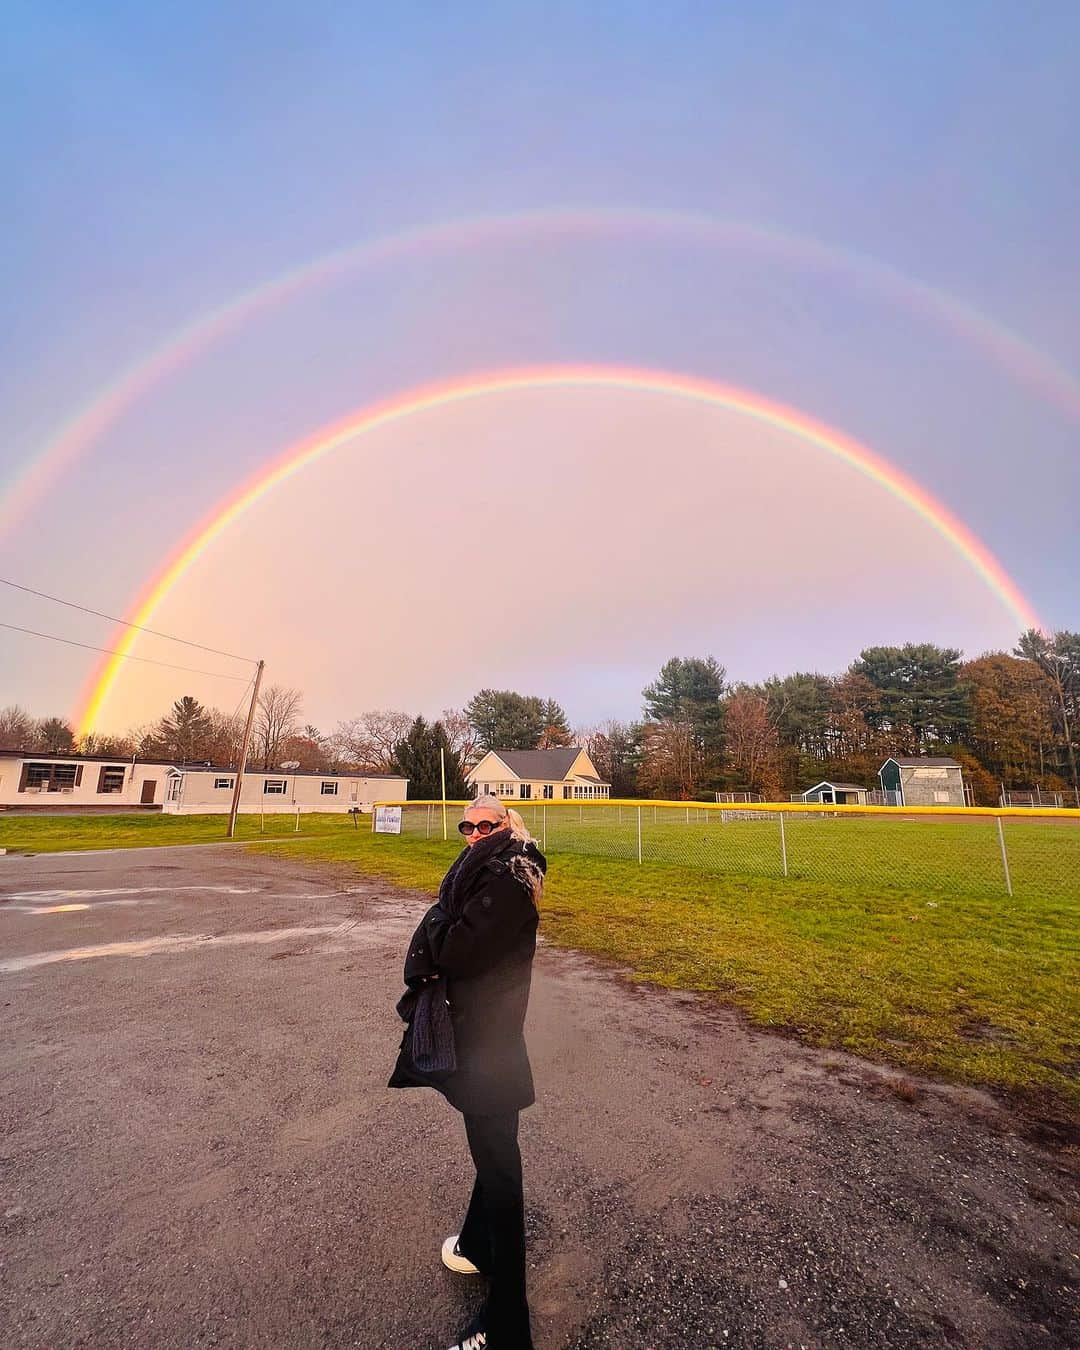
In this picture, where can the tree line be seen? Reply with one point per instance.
(1011, 719)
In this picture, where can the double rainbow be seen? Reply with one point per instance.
(375, 416)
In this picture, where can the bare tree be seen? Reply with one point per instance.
(276, 719)
(17, 728)
(753, 742)
(461, 738)
(368, 742)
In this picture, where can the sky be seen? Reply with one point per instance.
(865, 214)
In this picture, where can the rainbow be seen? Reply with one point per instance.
(1009, 351)
(418, 400)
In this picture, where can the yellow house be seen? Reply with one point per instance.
(538, 775)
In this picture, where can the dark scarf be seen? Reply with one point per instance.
(471, 860)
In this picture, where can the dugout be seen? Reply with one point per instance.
(837, 794)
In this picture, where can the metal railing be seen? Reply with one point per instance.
(943, 851)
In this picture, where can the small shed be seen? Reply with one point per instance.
(922, 780)
(837, 794)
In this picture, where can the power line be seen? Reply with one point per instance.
(112, 619)
(51, 637)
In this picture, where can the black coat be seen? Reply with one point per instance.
(486, 955)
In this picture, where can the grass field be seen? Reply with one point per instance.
(903, 949)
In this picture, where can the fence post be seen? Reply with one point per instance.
(639, 835)
(297, 828)
(1004, 857)
(544, 830)
(783, 842)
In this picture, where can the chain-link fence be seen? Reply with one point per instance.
(930, 850)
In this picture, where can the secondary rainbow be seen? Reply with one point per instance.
(28, 483)
(427, 397)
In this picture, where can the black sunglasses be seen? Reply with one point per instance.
(480, 826)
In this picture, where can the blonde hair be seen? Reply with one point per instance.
(522, 866)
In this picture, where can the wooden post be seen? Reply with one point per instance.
(242, 765)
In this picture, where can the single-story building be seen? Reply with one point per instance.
(922, 780)
(201, 791)
(566, 774)
(59, 782)
(837, 794)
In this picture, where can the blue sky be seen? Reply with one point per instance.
(163, 158)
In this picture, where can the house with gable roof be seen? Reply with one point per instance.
(538, 775)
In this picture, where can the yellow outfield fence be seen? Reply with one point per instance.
(1030, 853)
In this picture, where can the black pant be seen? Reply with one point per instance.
(493, 1235)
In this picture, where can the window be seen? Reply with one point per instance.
(549, 791)
(941, 797)
(223, 782)
(505, 790)
(526, 790)
(274, 787)
(567, 792)
(51, 777)
(111, 778)
(328, 789)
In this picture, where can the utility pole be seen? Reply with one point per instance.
(242, 765)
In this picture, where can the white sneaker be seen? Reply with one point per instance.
(477, 1341)
(452, 1259)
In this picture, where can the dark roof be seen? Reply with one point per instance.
(592, 778)
(551, 764)
(918, 761)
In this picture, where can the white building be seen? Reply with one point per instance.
(200, 791)
(69, 782)
(111, 783)
(538, 775)
(923, 780)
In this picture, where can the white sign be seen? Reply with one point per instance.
(388, 820)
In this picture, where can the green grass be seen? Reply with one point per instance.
(48, 834)
(898, 944)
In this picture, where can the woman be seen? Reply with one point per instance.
(480, 938)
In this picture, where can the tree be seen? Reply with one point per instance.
(753, 744)
(55, 735)
(100, 743)
(800, 706)
(184, 733)
(614, 749)
(18, 730)
(461, 737)
(556, 730)
(505, 720)
(1012, 716)
(691, 691)
(922, 700)
(310, 750)
(1058, 657)
(276, 719)
(669, 759)
(366, 743)
(416, 758)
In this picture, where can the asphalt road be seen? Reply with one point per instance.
(198, 1148)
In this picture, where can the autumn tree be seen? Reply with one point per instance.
(1058, 657)
(615, 751)
(1012, 716)
(461, 736)
(752, 740)
(670, 766)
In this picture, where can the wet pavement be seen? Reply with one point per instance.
(198, 1147)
